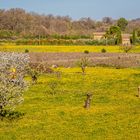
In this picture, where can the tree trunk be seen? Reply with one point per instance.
(139, 91)
(1, 110)
(88, 101)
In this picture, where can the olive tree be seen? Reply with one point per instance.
(83, 63)
(12, 83)
(126, 48)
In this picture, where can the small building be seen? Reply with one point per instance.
(126, 39)
(98, 35)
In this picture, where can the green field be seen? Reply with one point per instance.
(14, 48)
(114, 112)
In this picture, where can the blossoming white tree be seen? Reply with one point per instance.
(12, 83)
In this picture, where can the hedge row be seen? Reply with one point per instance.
(65, 42)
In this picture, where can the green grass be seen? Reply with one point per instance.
(114, 112)
(14, 48)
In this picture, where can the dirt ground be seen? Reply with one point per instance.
(96, 59)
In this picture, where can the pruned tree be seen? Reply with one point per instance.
(83, 63)
(88, 101)
(126, 48)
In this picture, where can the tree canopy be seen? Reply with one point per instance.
(122, 23)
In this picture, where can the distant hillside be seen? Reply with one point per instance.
(22, 23)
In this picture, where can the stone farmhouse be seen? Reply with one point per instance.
(125, 37)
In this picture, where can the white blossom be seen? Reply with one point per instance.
(12, 83)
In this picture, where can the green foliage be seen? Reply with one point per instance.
(68, 37)
(86, 51)
(122, 23)
(6, 34)
(138, 32)
(10, 115)
(103, 50)
(26, 50)
(109, 41)
(114, 33)
(134, 37)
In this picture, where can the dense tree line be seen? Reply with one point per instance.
(27, 24)
(33, 24)
(19, 24)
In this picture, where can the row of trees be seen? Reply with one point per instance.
(33, 29)
(33, 24)
(135, 38)
(21, 23)
(111, 37)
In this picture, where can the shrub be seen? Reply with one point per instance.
(34, 74)
(10, 115)
(53, 84)
(103, 50)
(26, 50)
(40, 68)
(86, 52)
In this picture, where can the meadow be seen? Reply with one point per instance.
(114, 112)
(50, 65)
(31, 48)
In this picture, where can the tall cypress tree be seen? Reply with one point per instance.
(134, 37)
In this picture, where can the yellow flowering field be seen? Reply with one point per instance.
(22, 48)
(114, 113)
(49, 48)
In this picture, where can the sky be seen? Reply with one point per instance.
(95, 9)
